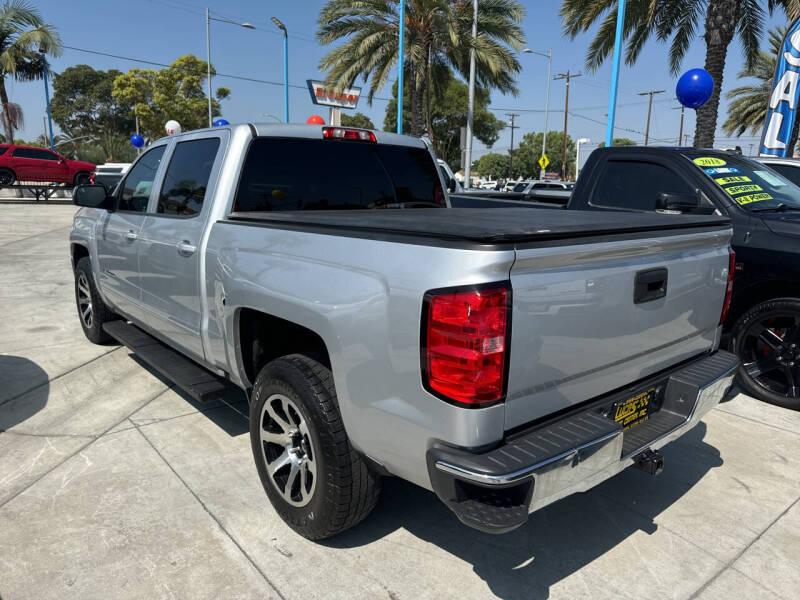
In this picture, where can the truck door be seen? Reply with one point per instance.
(117, 235)
(171, 241)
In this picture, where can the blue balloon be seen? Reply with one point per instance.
(220, 122)
(694, 88)
(137, 140)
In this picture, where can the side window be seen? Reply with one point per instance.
(3, 151)
(791, 173)
(25, 153)
(46, 155)
(185, 182)
(635, 185)
(135, 191)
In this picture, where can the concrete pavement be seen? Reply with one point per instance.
(113, 484)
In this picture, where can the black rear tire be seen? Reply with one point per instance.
(7, 177)
(767, 340)
(87, 297)
(345, 490)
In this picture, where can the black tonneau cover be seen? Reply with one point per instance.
(481, 225)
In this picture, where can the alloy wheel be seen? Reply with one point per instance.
(287, 450)
(770, 353)
(85, 300)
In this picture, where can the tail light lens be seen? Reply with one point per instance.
(348, 133)
(465, 339)
(729, 289)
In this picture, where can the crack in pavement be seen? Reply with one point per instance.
(80, 449)
(48, 435)
(57, 377)
(35, 235)
(210, 514)
(729, 564)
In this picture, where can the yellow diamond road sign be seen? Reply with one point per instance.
(544, 161)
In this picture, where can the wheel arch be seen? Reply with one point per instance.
(78, 251)
(262, 337)
(758, 292)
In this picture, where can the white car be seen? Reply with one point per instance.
(788, 167)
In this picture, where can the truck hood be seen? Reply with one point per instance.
(784, 224)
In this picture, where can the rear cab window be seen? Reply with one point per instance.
(636, 185)
(292, 174)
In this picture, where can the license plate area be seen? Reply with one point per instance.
(637, 407)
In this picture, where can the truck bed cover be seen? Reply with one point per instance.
(480, 226)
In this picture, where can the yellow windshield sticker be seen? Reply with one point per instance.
(709, 161)
(753, 198)
(734, 179)
(743, 189)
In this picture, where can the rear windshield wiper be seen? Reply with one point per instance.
(782, 207)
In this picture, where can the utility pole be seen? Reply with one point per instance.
(511, 151)
(750, 150)
(566, 76)
(680, 131)
(651, 93)
(685, 139)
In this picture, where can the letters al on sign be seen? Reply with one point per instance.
(782, 109)
(328, 96)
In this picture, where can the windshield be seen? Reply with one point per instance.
(520, 187)
(752, 185)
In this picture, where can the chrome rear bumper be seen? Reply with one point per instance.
(496, 490)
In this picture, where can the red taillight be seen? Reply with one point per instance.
(729, 289)
(464, 346)
(348, 133)
(91, 178)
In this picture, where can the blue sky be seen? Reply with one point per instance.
(162, 30)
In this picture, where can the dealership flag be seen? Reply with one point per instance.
(782, 109)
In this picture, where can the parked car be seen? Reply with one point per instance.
(763, 325)
(788, 167)
(501, 361)
(29, 163)
(109, 174)
(451, 183)
(545, 185)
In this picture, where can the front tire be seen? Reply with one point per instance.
(767, 341)
(315, 480)
(92, 311)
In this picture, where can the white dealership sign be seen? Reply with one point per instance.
(329, 96)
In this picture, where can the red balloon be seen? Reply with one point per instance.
(315, 120)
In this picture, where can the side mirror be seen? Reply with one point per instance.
(451, 185)
(92, 196)
(677, 201)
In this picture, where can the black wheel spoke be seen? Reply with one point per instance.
(757, 368)
(769, 337)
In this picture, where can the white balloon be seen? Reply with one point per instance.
(172, 127)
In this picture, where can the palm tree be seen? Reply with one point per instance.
(748, 108)
(677, 20)
(24, 40)
(438, 36)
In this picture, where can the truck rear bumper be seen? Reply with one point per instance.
(495, 491)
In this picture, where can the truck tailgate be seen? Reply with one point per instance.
(576, 331)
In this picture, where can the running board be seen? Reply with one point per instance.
(199, 383)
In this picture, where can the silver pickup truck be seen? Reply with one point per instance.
(500, 358)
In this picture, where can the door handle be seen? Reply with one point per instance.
(131, 236)
(185, 248)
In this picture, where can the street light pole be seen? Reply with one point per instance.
(209, 18)
(471, 102)
(47, 98)
(401, 32)
(282, 27)
(549, 57)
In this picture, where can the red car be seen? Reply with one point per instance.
(29, 163)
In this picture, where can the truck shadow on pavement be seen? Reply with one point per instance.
(24, 388)
(557, 540)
